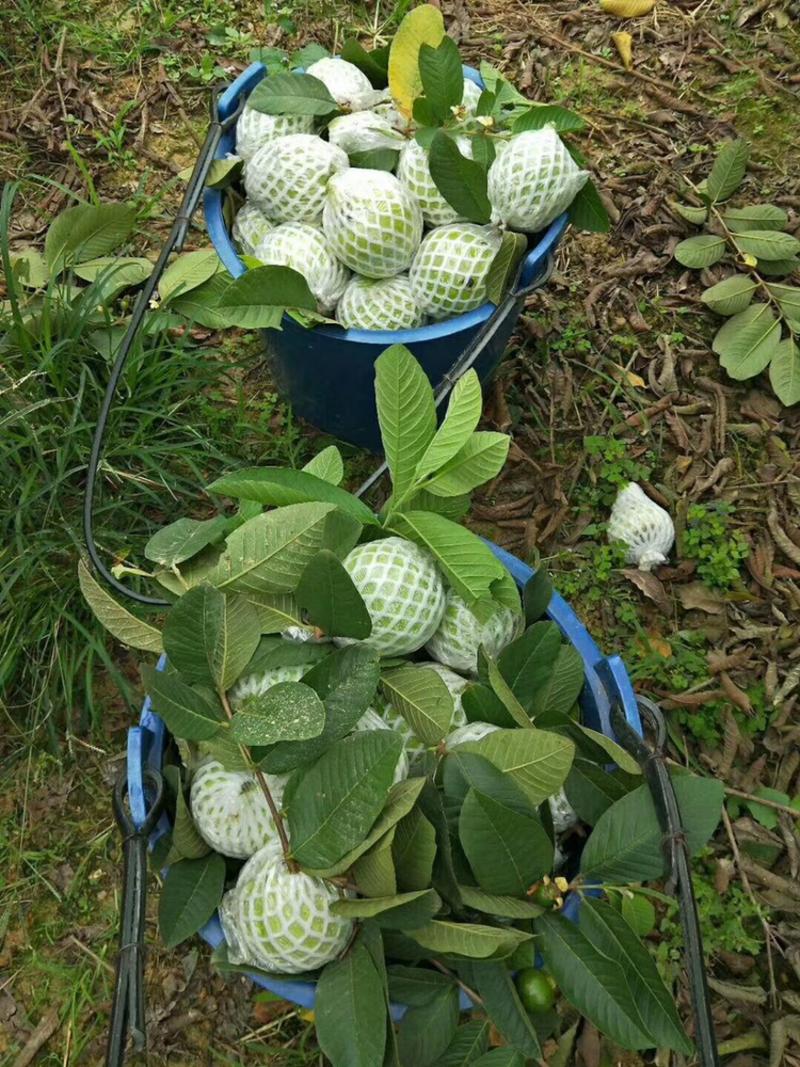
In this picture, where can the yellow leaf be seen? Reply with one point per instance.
(423, 25)
(624, 45)
(628, 9)
(652, 642)
(628, 377)
(750, 260)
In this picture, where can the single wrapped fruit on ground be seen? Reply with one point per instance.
(379, 304)
(250, 227)
(305, 248)
(533, 180)
(414, 172)
(287, 178)
(643, 526)
(372, 221)
(448, 275)
(281, 920)
(460, 635)
(230, 811)
(363, 131)
(402, 590)
(254, 129)
(344, 81)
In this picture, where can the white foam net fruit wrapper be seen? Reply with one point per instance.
(449, 272)
(414, 172)
(403, 593)
(372, 222)
(363, 131)
(230, 811)
(287, 178)
(459, 635)
(261, 682)
(533, 180)
(644, 526)
(254, 129)
(305, 248)
(250, 226)
(344, 81)
(379, 304)
(279, 920)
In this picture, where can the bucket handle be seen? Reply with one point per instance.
(651, 757)
(127, 1010)
(173, 243)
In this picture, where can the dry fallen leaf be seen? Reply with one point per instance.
(624, 45)
(628, 9)
(735, 694)
(698, 596)
(651, 587)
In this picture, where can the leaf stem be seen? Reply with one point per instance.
(260, 777)
(473, 996)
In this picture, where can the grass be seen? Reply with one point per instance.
(58, 933)
(181, 418)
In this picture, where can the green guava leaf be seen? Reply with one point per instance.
(288, 711)
(625, 845)
(350, 1011)
(339, 797)
(210, 637)
(329, 597)
(189, 897)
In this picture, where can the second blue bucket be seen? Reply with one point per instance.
(327, 373)
(607, 685)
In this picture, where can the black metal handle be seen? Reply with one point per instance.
(173, 243)
(653, 761)
(127, 1009)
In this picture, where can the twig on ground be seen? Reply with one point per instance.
(773, 992)
(663, 86)
(38, 1039)
(763, 800)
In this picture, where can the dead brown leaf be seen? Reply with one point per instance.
(735, 694)
(652, 588)
(696, 596)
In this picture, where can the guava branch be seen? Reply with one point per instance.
(260, 777)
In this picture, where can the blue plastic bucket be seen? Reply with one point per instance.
(327, 373)
(607, 684)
